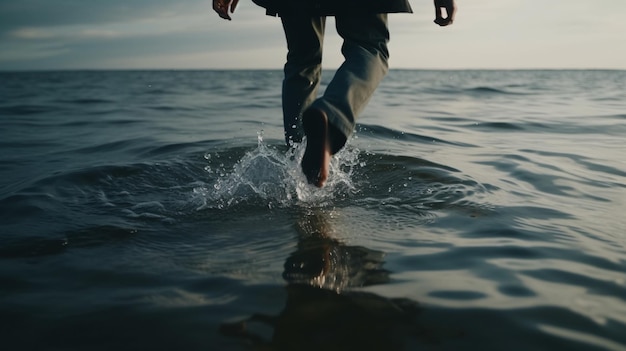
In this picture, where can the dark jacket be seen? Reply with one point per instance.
(333, 7)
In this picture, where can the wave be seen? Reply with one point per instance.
(482, 90)
(381, 132)
(86, 101)
(26, 110)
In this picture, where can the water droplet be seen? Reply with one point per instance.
(275, 179)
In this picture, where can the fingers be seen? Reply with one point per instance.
(233, 5)
(222, 6)
(450, 8)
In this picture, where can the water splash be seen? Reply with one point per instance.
(270, 177)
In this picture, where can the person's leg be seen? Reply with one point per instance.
(331, 119)
(365, 65)
(305, 36)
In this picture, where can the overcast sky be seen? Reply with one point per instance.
(187, 34)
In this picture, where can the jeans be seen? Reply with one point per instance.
(365, 38)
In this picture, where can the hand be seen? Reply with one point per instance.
(450, 7)
(222, 6)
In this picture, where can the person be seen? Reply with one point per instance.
(329, 120)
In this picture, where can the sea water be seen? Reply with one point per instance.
(471, 210)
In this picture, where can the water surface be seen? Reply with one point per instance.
(160, 210)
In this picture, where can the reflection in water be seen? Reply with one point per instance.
(319, 314)
(324, 262)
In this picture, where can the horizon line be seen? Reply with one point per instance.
(280, 69)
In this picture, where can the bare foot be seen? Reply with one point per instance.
(316, 159)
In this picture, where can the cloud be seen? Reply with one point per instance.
(65, 30)
(30, 33)
(56, 33)
(47, 13)
(181, 40)
(30, 52)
